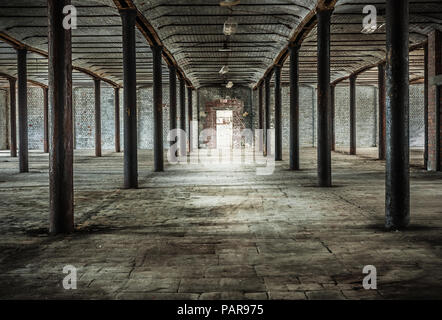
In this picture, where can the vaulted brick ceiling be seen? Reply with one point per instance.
(192, 31)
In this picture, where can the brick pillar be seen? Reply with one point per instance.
(434, 101)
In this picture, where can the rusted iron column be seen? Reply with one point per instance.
(267, 146)
(324, 154)
(13, 117)
(382, 121)
(183, 116)
(198, 115)
(278, 127)
(157, 109)
(294, 106)
(426, 106)
(22, 87)
(117, 119)
(397, 166)
(190, 115)
(130, 99)
(172, 100)
(46, 120)
(97, 86)
(260, 118)
(353, 115)
(434, 54)
(61, 190)
(332, 118)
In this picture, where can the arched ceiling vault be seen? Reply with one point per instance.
(191, 32)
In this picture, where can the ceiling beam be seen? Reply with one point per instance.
(298, 36)
(16, 44)
(149, 33)
(413, 47)
(35, 83)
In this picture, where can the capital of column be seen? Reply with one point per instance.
(325, 6)
(156, 48)
(130, 12)
(268, 77)
(22, 50)
(294, 46)
(277, 69)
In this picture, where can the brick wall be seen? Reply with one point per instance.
(145, 117)
(84, 115)
(366, 116)
(209, 96)
(417, 120)
(84, 118)
(83, 101)
(35, 118)
(307, 116)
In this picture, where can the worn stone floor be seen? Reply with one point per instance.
(219, 232)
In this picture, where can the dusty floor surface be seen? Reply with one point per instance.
(219, 232)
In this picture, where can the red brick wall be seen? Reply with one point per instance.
(434, 130)
(236, 106)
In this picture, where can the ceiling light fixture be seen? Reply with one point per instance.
(224, 70)
(229, 3)
(230, 27)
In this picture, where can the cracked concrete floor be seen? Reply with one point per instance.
(223, 232)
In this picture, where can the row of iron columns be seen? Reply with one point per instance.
(58, 96)
(22, 107)
(393, 104)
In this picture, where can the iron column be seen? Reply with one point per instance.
(352, 114)
(183, 117)
(97, 86)
(13, 117)
(260, 118)
(267, 148)
(61, 191)
(198, 117)
(130, 99)
(324, 154)
(397, 176)
(426, 106)
(46, 120)
(190, 115)
(22, 109)
(158, 109)
(172, 100)
(294, 106)
(332, 118)
(382, 123)
(117, 119)
(434, 94)
(278, 127)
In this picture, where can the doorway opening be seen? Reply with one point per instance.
(224, 129)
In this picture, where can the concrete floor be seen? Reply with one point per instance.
(223, 232)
